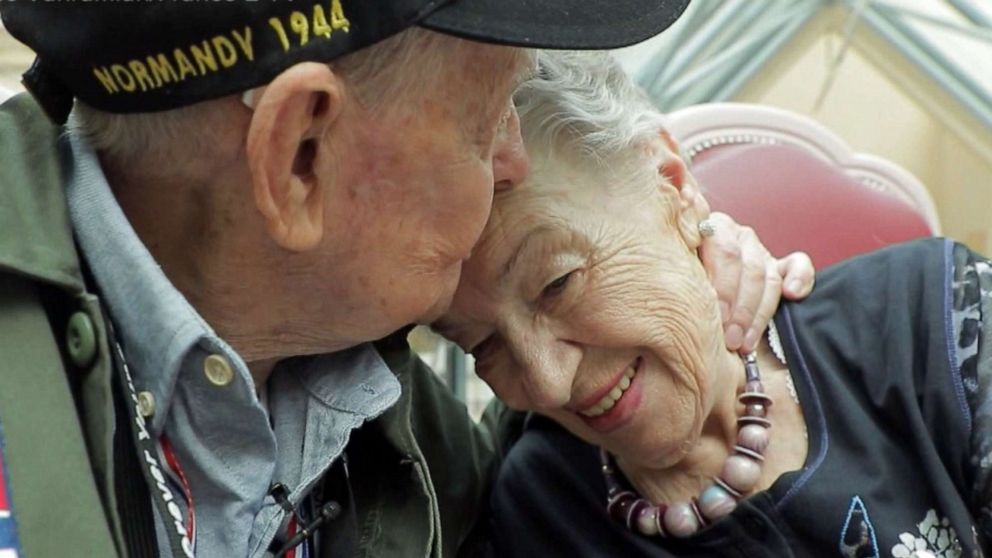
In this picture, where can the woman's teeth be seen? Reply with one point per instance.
(610, 399)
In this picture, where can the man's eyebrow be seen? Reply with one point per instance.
(528, 239)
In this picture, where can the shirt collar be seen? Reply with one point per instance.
(155, 323)
(315, 401)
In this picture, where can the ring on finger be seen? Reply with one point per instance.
(706, 228)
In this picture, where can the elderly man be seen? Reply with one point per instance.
(192, 271)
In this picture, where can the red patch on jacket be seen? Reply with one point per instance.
(9, 546)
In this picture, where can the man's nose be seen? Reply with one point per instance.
(510, 162)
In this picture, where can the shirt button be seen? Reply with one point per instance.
(218, 370)
(80, 338)
(146, 404)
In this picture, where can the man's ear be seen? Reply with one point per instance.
(692, 207)
(285, 139)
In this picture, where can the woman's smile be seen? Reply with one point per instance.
(615, 404)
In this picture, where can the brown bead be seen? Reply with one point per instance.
(756, 410)
(619, 506)
(754, 386)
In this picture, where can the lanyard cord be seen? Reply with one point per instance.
(134, 450)
(130, 489)
(147, 460)
(175, 471)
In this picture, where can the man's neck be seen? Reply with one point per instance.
(211, 254)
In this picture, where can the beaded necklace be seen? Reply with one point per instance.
(740, 474)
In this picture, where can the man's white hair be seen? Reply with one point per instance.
(584, 102)
(386, 72)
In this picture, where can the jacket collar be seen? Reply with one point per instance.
(35, 233)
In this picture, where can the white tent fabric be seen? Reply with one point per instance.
(719, 45)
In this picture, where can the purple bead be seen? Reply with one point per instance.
(634, 511)
(754, 387)
(659, 519)
(725, 486)
(680, 520)
(619, 506)
(647, 521)
(755, 398)
(716, 502)
(760, 421)
(752, 454)
(753, 437)
(694, 506)
(751, 372)
(741, 473)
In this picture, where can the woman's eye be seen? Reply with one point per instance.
(557, 286)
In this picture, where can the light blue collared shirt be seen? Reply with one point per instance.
(229, 446)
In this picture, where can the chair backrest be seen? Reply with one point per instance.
(798, 184)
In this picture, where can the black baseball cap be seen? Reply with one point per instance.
(151, 55)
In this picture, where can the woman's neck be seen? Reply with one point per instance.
(705, 459)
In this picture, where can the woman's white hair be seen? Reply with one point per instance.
(584, 102)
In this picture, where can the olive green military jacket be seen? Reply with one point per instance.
(419, 473)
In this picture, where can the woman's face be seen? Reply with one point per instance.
(585, 287)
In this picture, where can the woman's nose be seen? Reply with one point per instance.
(510, 161)
(546, 371)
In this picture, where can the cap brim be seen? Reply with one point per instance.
(557, 24)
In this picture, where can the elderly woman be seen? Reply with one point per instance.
(860, 427)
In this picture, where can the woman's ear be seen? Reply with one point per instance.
(692, 207)
(286, 137)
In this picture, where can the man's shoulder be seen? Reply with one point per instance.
(430, 423)
(427, 403)
(46, 457)
(35, 234)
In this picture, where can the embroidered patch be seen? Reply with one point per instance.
(935, 539)
(8, 528)
(857, 538)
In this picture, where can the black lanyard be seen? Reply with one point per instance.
(143, 452)
(134, 450)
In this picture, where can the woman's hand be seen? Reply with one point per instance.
(749, 281)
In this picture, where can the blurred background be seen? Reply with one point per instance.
(909, 80)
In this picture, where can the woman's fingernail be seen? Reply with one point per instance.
(735, 336)
(794, 286)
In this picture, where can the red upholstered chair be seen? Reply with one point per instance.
(798, 184)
